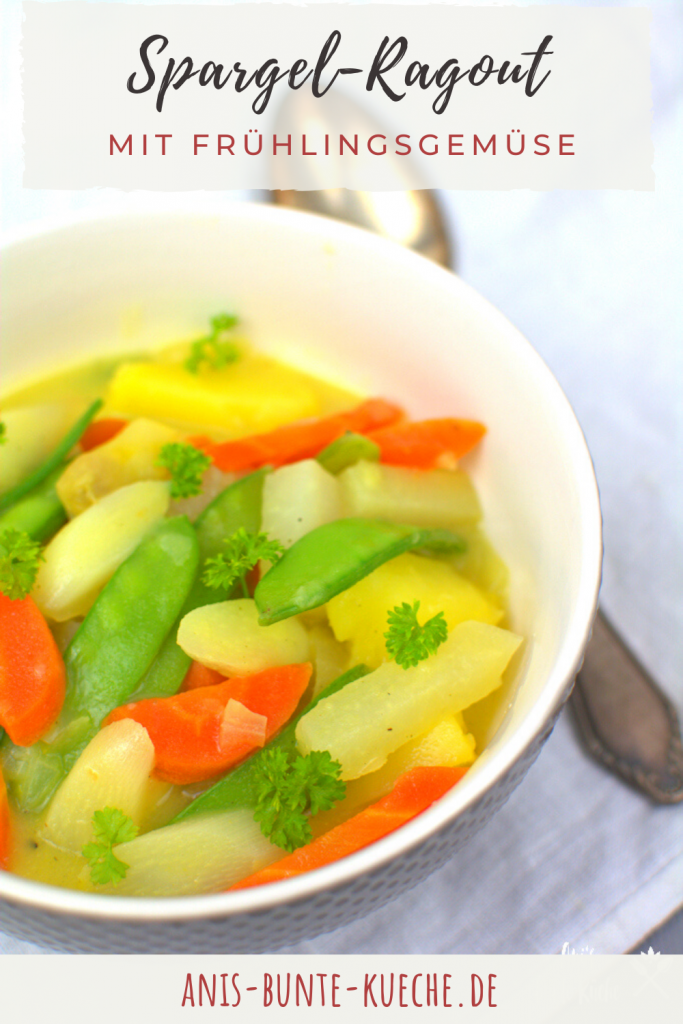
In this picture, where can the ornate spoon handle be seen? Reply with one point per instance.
(625, 720)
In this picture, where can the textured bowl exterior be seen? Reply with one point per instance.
(287, 923)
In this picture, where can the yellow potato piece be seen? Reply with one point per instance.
(447, 744)
(252, 395)
(359, 615)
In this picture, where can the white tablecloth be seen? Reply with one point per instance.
(594, 279)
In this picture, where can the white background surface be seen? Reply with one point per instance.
(594, 279)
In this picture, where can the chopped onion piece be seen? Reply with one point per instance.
(238, 720)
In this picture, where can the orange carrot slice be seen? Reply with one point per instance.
(199, 675)
(32, 675)
(428, 444)
(413, 793)
(296, 441)
(4, 825)
(187, 730)
(101, 431)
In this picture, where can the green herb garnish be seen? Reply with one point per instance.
(408, 642)
(242, 552)
(19, 560)
(111, 826)
(289, 791)
(3, 433)
(213, 351)
(187, 466)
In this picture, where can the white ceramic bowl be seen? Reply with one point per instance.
(338, 300)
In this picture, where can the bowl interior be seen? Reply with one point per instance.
(364, 312)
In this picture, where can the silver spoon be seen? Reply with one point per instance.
(408, 214)
(624, 719)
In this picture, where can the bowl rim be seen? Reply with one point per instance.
(56, 900)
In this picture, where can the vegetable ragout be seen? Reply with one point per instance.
(246, 621)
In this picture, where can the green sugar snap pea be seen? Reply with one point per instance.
(129, 621)
(236, 506)
(333, 557)
(113, 648)
(39, 513)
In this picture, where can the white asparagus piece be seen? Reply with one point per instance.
(86, 553)
(200, 855)
(127, 458)
(370, 718)
(297, 499)
(228, 638)
(112, 771)
(440, 497)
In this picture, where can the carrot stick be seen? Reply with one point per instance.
(187, 731)
(4, 825)
(428, 444)
(198, 676)
(32, 675)
(101, 431)
(296, 441)
(413, 793)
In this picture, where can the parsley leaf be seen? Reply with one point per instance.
(111, 826)
(317, 777)
(408, 642)
(277, 810)
(19, 558)
(290, 791)
(242, 552)
(186, 465)
(213, 351)
(3, 433)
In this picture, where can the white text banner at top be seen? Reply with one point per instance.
(377, 97)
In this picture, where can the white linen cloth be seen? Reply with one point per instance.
(594, 280)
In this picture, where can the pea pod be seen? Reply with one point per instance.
(55, 459)
(238, 505)
(334, 557)
(346, 451)
(40, 513)
(239, 788)
(119, 638)
(32, 774)
(126, 626)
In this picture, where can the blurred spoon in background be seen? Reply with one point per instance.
(408, 214)
(624, 719)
